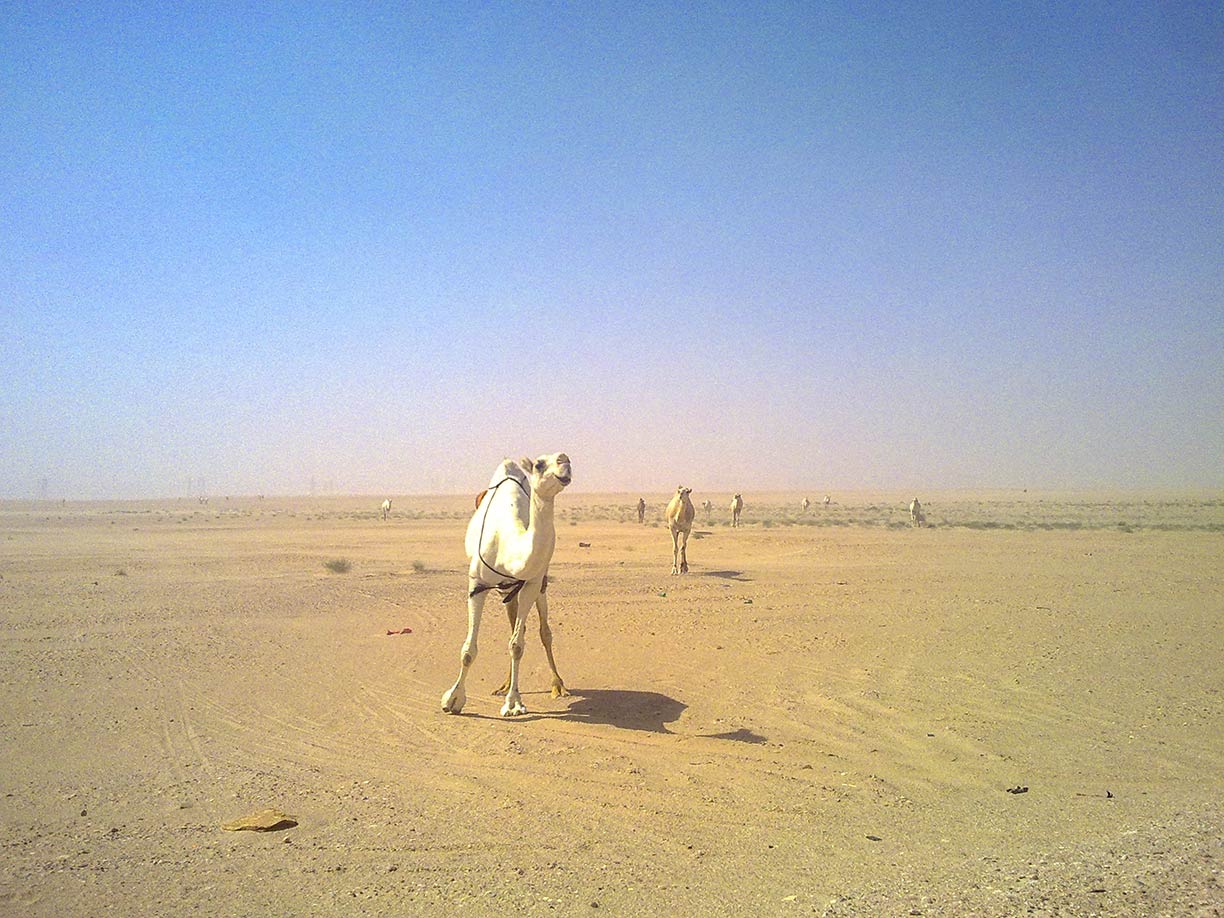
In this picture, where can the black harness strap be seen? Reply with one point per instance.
(511, 586)
(509, 590)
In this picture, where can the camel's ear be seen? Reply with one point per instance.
(527, 464)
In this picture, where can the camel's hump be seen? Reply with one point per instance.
(509, 469)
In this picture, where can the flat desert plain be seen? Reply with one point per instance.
(1018, 709)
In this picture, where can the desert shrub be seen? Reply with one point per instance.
(419, 566)
(338, 566)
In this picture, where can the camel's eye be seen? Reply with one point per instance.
(541, 465)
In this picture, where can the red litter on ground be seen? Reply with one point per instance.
(401, 631)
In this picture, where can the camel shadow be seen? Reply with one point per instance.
(649, 712)
(729, 575)
(646, 711)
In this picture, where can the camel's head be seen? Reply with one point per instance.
(549, 474)
(682, 491)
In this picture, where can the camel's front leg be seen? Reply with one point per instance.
(513, 705)
(684, 552)
(558, 687)
(453, 700)
(675, 551)
(512, 611)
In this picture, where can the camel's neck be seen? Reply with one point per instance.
(539, 540)
(540, 525)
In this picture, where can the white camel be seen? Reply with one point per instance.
(386, 508)
(680, 521)
(737, 507)
(917, 517)
(707, 506)
(806, 503)
(510, 542)
(827, 500)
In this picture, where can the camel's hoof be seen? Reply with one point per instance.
(513, 710)
(559, 690)
(452, 702)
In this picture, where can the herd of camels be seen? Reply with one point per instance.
(510, 541)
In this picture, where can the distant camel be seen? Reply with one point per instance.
(386, 508)
(737, 506)
(707, 506)
(641, 509)
(917, 517)
(827, 500)
(680, 521)
(806, 503)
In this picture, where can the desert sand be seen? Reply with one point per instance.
(1018, 709)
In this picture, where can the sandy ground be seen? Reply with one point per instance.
(825, 717)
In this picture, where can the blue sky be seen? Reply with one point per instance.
(740, 246)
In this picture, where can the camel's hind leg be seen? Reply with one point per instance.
(684, 551)
(558, 687)
(675, 551)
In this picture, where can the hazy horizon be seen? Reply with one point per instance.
(755, 500)
(774, 248)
